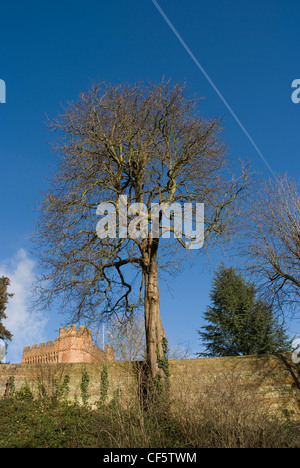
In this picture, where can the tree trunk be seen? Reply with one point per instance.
(6, 394)
(153, 325)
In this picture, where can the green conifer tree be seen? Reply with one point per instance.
(4, 296)
(239, 323)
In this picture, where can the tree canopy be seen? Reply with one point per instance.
(239, 322)
(147, 145)
(5, 334)
(269, 241)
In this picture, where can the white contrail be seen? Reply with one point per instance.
(214, 87)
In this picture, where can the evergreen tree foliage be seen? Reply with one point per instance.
(4, 296)
(239, 323)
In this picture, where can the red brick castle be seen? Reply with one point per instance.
(72, 345)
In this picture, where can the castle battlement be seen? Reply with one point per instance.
(72, 345)
(40, 346)
(72, 330)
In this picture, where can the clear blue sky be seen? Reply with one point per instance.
(49, 52)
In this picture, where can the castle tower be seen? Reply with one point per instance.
(72, 345)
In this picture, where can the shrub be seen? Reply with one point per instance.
(25, 393)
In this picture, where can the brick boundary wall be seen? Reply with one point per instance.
(274, 379)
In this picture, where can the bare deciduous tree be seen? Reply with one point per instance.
(126, 335)
(149, 143)
(271, 242)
